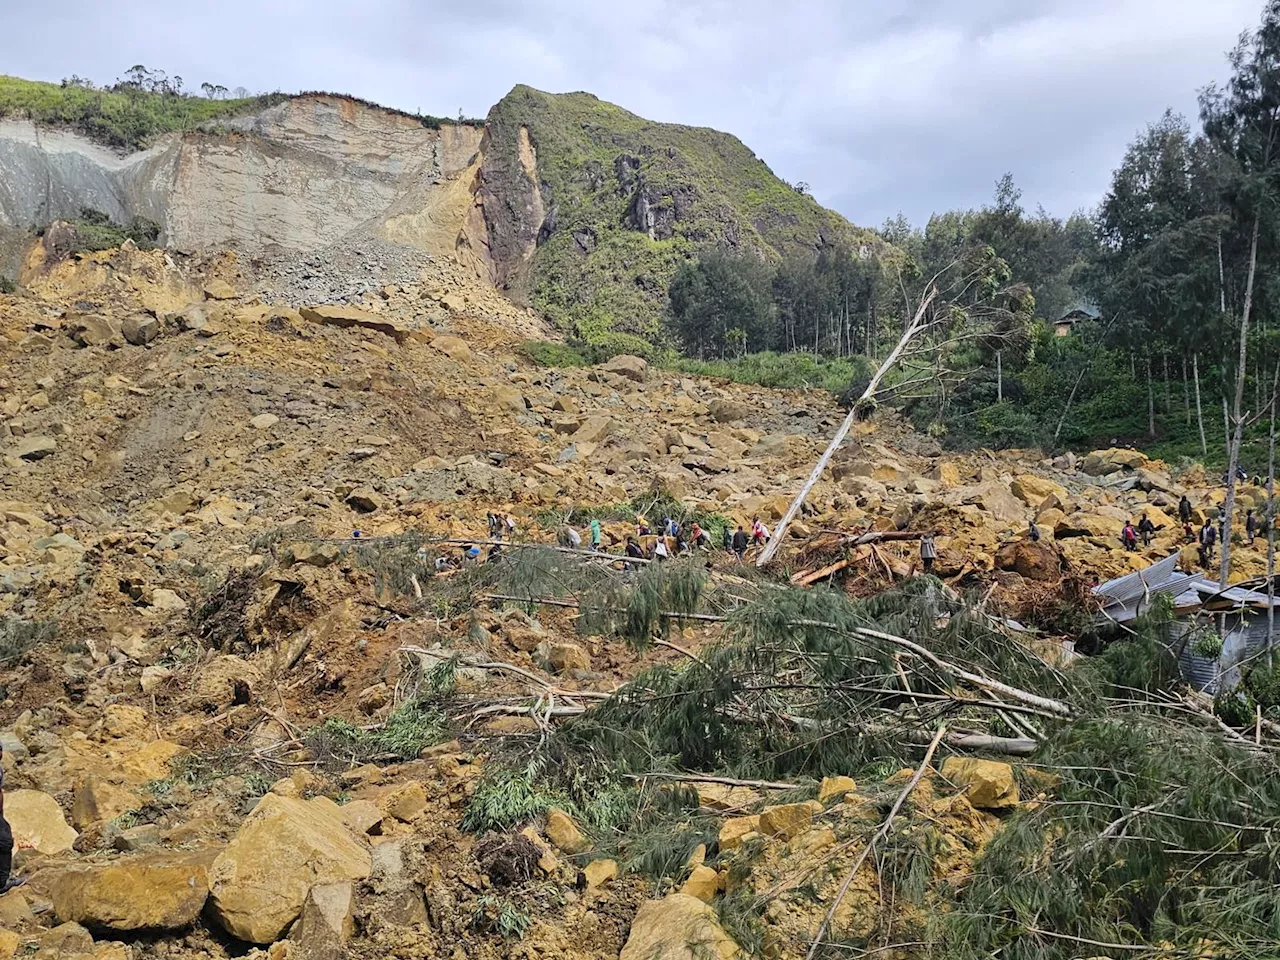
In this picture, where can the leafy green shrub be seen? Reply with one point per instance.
(95, 230)
(1207, 644)
(547, 353)
(786, 371)
(1263, 685)
(1235, 707)
(505, 798)
(409, 730)
(7, 285)
(18, 636)
(499, 915)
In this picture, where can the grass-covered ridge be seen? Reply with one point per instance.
(128, 120)
(596, 269)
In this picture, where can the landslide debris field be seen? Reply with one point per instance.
(246, 713)
(231, 728)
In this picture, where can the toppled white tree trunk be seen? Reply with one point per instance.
(917, 324)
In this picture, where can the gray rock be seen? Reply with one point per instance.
(35, 448)
(140, 329)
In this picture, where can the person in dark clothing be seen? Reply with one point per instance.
(1146, 529)
(740, 541)
(1033, 531)
(1208, 541)
(7, 882)
(727, 539)
(1251, 526)
(1184, 509)
(633, 551)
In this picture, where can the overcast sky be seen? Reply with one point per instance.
(881, 106)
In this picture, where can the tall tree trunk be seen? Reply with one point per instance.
(1186, 391)
(1204, 444)
(1228, 507)
(1271, 522)
(1222, 280)
(999, 377)
(1067, 409)
(1168, 396)
(1151, 403)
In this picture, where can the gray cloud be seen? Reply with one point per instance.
(914, 106)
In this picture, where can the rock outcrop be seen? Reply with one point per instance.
(153, 892)
(260, 882)
(678, 927)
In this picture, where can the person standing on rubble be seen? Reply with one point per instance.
(1251, 526)
(1146, 529)
(1129, 536)
(1208, 541)
(1184, 509)
(740, 542)
(7, 880)
(595, 536)
(928, 552)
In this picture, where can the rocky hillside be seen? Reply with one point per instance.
(591, 208)
(566, 202)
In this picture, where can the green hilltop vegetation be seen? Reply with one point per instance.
(145, 104)
(630, 200)
(126, 115)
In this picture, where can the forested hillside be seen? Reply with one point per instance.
(1176, 260)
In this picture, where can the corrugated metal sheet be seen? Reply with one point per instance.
(1134, 586)
(1201, 673)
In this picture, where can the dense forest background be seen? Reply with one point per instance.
(1169, 268)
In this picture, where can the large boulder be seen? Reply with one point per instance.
(153, 892)
(455, 348)
(993, 498)
(1082, 524)
(140, 329)
(285, 847)
(327, 922)
(788, 820)
(564, 833)
(37, 822)
(946, 473)
(1033, 490)
(593, 430)
(727, 411)
(1102, 463)
(678, 927)
(339, 315)
(1035, 560)
(90, 331)
(625, 365)
(96, 801)
(988, 784)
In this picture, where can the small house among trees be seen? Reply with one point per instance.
(1062, 326)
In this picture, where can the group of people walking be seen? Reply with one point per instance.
(674, 539)
(1206, 537)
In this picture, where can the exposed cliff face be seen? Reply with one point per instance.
(299, 175)
(590, 209)
(564, 201)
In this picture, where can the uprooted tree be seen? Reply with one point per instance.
(969, 302)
